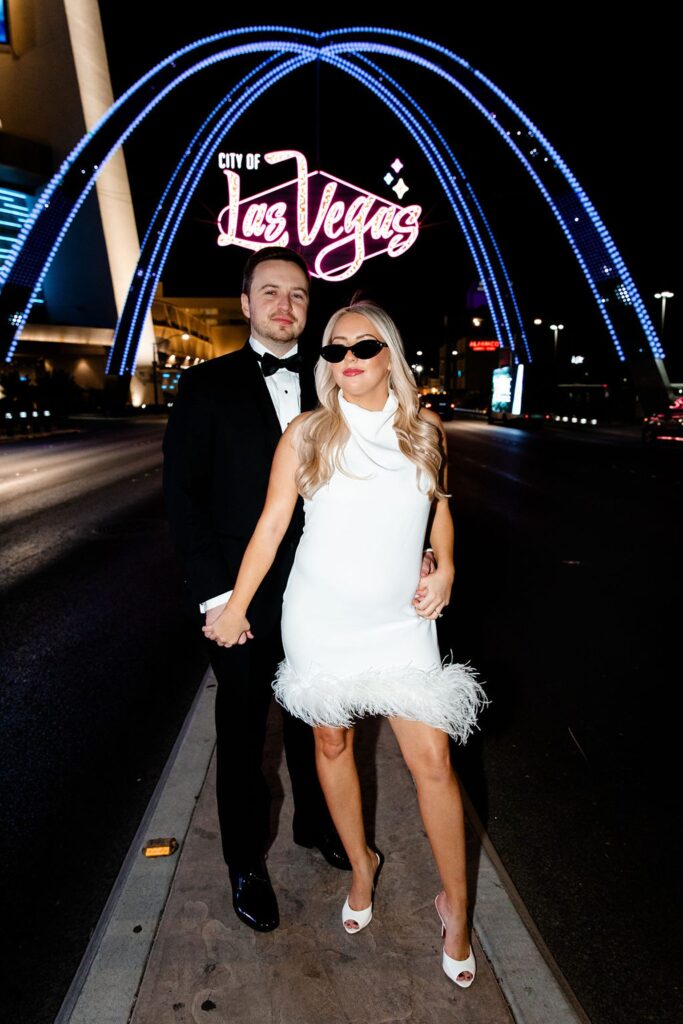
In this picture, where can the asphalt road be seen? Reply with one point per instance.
(56, 493)
(568, 550)
(99, 666)
(568, 553)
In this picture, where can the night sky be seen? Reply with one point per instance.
(601, 94)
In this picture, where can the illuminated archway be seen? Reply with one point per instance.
(347, 50)
(179, 190)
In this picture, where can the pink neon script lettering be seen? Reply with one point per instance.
(346, 226)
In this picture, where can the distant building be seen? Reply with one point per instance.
(54, 87)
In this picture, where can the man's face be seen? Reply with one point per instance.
(277, 304)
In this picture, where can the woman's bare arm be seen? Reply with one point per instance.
(435, 589)
(232, 625)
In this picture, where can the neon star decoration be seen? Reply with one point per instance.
(400, 188)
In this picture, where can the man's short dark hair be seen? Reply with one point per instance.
(271, 252)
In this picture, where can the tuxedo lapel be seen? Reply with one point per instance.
(255, 386)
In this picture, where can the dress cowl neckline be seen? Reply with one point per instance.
(368, 422)
(373, 431)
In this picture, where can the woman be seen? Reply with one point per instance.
(370, 466)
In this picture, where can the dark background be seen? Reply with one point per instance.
(568, 548)
(600, 94)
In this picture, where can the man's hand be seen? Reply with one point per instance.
(226, 627)
(426, 569)
(428, 563)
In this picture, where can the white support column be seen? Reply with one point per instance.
(113, 189)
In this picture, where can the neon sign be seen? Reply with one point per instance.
(338, 224)
(484, 346)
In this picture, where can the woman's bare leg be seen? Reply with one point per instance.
(427, 755)
(338, 776)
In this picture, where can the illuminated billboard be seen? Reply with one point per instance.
(501, 398)
(336, 225)
(506, 399)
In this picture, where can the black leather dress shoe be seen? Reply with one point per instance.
(252, 895)
(329, 845)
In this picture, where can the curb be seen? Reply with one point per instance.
(106, 983)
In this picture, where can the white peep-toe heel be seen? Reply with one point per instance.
(454, 968)
(362, 918)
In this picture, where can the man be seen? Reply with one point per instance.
(219, 444)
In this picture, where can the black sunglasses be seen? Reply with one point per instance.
(365, 349)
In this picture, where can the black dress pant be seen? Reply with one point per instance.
(244, 674)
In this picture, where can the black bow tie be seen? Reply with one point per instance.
(271, 364)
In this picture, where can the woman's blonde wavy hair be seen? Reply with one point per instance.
(321, 437)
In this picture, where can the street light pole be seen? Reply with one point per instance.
(155, 374)
(556, 328)
(663, 296)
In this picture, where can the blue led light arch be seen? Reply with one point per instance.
(595, 251)
(175, 198)
(183, 182)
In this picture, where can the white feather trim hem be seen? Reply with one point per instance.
(447, 696)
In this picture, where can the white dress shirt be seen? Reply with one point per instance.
(284, 388)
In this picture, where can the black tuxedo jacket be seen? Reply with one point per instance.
(218, 449)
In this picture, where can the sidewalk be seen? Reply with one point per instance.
(170, 949)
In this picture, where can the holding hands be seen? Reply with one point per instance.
(434, 594)
(227, 626)
(434, 589)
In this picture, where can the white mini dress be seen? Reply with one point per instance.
(354, 644)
